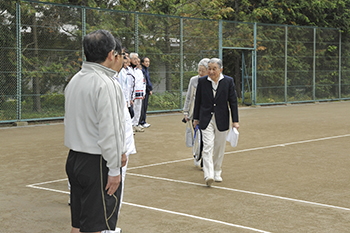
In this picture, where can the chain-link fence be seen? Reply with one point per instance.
(41, 49)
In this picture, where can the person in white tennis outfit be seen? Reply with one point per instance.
(130, 145)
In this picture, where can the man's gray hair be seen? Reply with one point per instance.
(204, 62)
(133, 55)
(217, 61)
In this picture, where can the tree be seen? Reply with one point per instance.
(320, 13)
(48, 59)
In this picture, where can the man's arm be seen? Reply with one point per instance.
(110, 113)
(113, 182)
(233, 103)
(197, 104)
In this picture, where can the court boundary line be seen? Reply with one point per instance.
(203, 185)
(249, 149)
(244, 191)
(151, 208)
(196, 217)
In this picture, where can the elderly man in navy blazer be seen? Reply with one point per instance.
(214, 96)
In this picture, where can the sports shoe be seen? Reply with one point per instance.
(197, 163)
(138, 129)
(117, 230)
(209, 181)
(146, 125)
(217, 178)
(140, 126)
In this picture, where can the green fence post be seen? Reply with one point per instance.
(339, 64)
(286, 65)
(220, 39)
(254, 78)
(181, 62)
(19, 60)
(136, 33)
(314, 69)
(83, 30)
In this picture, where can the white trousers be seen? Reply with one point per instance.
(137, 111)
(214, 142)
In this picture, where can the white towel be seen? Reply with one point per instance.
(232, 136)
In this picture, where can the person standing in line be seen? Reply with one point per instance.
(122, 76)
(129, 135)
(140, 89)
(95, 134)
(215, 94)
(135, 85)
(145, 62)
(190, 97)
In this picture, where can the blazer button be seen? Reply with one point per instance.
(214, 105)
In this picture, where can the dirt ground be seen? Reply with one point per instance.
(289, 173)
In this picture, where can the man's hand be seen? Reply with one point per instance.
(195, 123)
(124, 160)
(150, 93)
(186, 117)
(235, 124)
(112, 184)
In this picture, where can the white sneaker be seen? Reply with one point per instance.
(140, 126)
(217, 178)
(197, 163)
(117, 230)
(209, 181)
(138, 129)
(146, 125)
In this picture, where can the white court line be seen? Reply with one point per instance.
(152, 208)
(196, 217)
(48, 182)
(47, 189)
(243, 191)
(245, 150)
(289, 144)
(157, 164)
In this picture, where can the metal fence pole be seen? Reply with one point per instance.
(340, 65)
(19, 60)
(83, 30)
(254, 78)
(181, 61)
(286, 65)
(220, 39)
(136, 33)
(243, 65)
(314, 68)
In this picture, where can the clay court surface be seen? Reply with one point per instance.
(289, 173)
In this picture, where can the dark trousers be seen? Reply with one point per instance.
(144, 109)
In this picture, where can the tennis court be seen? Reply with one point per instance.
(289, 173)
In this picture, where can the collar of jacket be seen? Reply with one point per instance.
(99, 68)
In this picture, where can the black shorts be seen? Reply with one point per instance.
(91, 208)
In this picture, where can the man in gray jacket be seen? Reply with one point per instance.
(95, 134)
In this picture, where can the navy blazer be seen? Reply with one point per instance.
(206, 105)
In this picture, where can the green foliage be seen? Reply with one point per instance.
(164, 101)
(52, 106)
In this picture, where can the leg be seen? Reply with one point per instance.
(75, 230)
(143, 112)
(137, 110)
(218, 154)
(207, 154)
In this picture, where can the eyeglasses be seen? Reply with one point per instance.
(116, 53)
